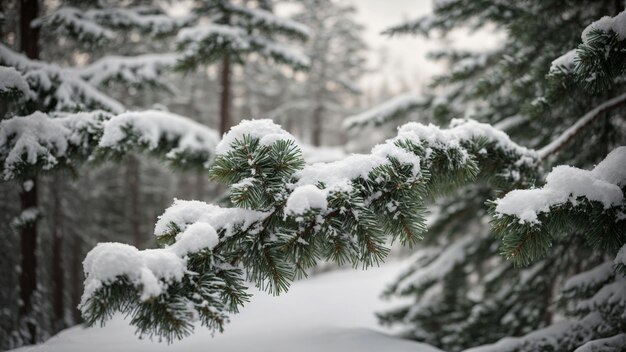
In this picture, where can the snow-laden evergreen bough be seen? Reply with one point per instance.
(287, 216)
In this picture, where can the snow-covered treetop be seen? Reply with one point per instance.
(394, 108)
(39, 141)
(238, 30)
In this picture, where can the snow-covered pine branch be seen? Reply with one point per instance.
(177, 139)
(59, 88)
(12, 84)
(286, 216)
(100, 24)
(40, 142)
(208, 43)
(529, 219)
(394, 108)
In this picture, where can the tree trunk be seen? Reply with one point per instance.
(317, 126)
(134, 190)
(58, 274)
(29, 38)
(225, 118)
(77, 276)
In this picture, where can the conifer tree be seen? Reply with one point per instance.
(236, 31)
(43, 129)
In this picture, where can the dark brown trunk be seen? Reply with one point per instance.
(77, 276)
(133, 189)
(29, 40)
(58, 275)
(225, 118)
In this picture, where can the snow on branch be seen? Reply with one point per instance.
(287, 215)
(99, 25)
(266, 20)
(12, 83)
(528, 219)
(182, 141)
(41, 142)
(396, 107)
(128, 69)
(565, 184)
(580, 125)
(58, 88)
(73, 88)
(208, 43)
(38, 141)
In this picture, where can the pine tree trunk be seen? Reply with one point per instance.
(318, 123)
(225, 118)
(29, 38)
(77, 276)
(58, 275)
(134, 193)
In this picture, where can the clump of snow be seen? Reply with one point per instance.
(564, 63)
(196, 237)
(304, 198)
(613, 168)
(265, 130)
(390, 150)
(152, 126)
(463, 130)
(148, 270)
(398, 105)
(31, 139)
(565, 184)
(616, 24)
(12, 80)
(337, 175)
(183, 213)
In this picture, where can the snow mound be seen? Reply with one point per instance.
(265, 130)
(616, 24)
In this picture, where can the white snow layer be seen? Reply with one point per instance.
(305, 198)
(11, 79)
(184, 213)
(265, 130)
(152, 126)
(616, 24)
(149, 270)
(332, 312)
(565, 184)
(564, 63)
(39, 138)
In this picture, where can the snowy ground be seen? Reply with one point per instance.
(331, 312)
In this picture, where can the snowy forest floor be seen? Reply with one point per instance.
(329, 312)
